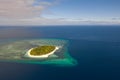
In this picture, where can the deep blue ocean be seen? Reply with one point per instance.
(96, 48)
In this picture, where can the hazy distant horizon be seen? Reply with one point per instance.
(91, 25)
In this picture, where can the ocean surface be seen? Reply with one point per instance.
(96, 48)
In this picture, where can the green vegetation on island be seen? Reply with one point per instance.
(42, 50)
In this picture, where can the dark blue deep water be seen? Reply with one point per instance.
(96, 48)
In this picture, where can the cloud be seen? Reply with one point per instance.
(17, 9)
(29, 12)
(36, 21)
(115, 18)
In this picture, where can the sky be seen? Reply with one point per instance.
(59, 12)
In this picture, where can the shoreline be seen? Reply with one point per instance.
(41, 56)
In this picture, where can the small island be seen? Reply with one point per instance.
(42, 51)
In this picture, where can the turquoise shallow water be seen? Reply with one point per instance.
(16, 50)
